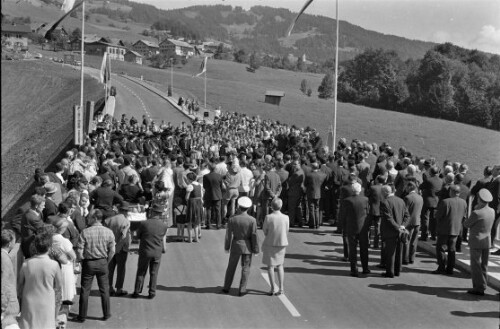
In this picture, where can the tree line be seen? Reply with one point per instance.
(450, 83)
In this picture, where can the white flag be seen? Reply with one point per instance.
(308, 2)
(105, 74)
(67, 5)
(203, 67)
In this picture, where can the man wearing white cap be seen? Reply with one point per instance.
(479, 224)
(241, 240)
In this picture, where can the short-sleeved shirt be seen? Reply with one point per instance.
(95, 242)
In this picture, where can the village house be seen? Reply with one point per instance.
(171, 47)
(133, 57)
(95, 45)
(15, 36)
(146, 48)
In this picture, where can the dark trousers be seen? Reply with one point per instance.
(142, 267)
(428, 221)
(119, 261)
(305, 208)
(446, 262)
(410, 248)
(345, 245)
(99, 269)
(294, 209)
(376, 230)
(214, 209)
(314, 220)
(393, 255)
(353, 240)
(246, 262)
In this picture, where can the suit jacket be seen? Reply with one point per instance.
(272, 185)
(104, 198)
(212, 184)
(449, 216)
(375, 196)
(50, 209)
(296, 183)
(150, 234)
(482, 183)
(480, 223)
(393, 214)
(30, 223)
(148, 174)
(494, 188)
(313, 183)
(78, 219)
(414, 202)
(241, 235)
(354, 213)
(430, 191)
(275, 228)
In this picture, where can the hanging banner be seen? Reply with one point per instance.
(78, 130)
(89, 116)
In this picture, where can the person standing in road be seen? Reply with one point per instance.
(151, 234)
(96, 248)
(120, 225)
(212, 184)
(430, 189)
(394, 219)
(414, 203)
(240, 242)
(449, 216)
(276, 226)
(479, 224)
(313, 183)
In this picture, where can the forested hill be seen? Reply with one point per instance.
(263, 28)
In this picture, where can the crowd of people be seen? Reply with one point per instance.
(134, 180)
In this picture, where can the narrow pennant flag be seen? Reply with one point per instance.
(105, 74)
(203, 67)
(197, 51)
(67, 5)
(289, 31)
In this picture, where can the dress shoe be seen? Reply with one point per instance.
(387, 275)
(106, 317)
(135, 295)
(433, 238)
(355, 274)
(366, 271)
(475, 292)
(151, 296)
(112, 292)
(396, 274)
(496, 253)
(279, 293)
(121, 292)
(207, 227)
(79, 319)
(345, 259)
(438, 272)
(225, 291)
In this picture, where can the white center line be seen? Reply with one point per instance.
(289, 306)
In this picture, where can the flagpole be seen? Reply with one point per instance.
(336, 73)
(82, 50)
(205, 86)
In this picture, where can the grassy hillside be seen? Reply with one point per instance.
(37, 116)
(229, 85)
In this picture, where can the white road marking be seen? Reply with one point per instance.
(490, 264)
(289, 306)
(133, 93)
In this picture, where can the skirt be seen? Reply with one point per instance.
(194, 211)
(273, 256)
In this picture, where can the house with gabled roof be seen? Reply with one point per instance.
(146, 48)
(172, 47)
(16, 36)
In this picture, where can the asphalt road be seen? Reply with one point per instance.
(319, 292)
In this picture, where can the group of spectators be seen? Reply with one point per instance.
(83, 215)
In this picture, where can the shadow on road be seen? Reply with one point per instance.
(327, 243)
(205, 290)
(492, 314)
(441, 292)
(319, 271)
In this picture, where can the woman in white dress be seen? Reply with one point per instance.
(166, 175)
(67, 270)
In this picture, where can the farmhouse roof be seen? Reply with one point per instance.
(148, 43)
(16, 28)
(179, 43)
(133, 52)
(275, 93)
(93, 38)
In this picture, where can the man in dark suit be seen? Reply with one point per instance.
(295, 192)
(494, 188)
(240, 242)
(480, 184)
(313, 183)
(272, 189)
(104, 197)
(31, 221)
(151, 234)
(430, 192)
(344, 192)
(394, 219)
(212, 184)
(374, 198)
(449, 216)
(479, 224)
(464, 195)
(354, 216)
(50, 205)
(414, 203)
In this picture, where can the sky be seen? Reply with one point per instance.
(473, 24)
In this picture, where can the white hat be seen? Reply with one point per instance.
(356, 187)
(244, 202)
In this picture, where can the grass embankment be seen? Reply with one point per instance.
(37, 116)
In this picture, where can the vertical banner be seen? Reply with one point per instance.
(89, 116)
(78, 115)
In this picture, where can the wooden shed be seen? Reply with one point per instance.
(274, 97)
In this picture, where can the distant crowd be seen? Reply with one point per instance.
(133, 179)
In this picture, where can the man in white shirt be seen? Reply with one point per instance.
(247, 179)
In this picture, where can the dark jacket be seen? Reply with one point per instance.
(449, 216)
(241, 235)
(393, 213)
(150, 234)
(212, 183)
(430, 191)
(354, 214)
(414, 203)
(313, 183)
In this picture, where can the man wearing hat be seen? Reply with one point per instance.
(120, 225)
(480, 223)
(50, 205)
(241, 241)
(151, 234)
